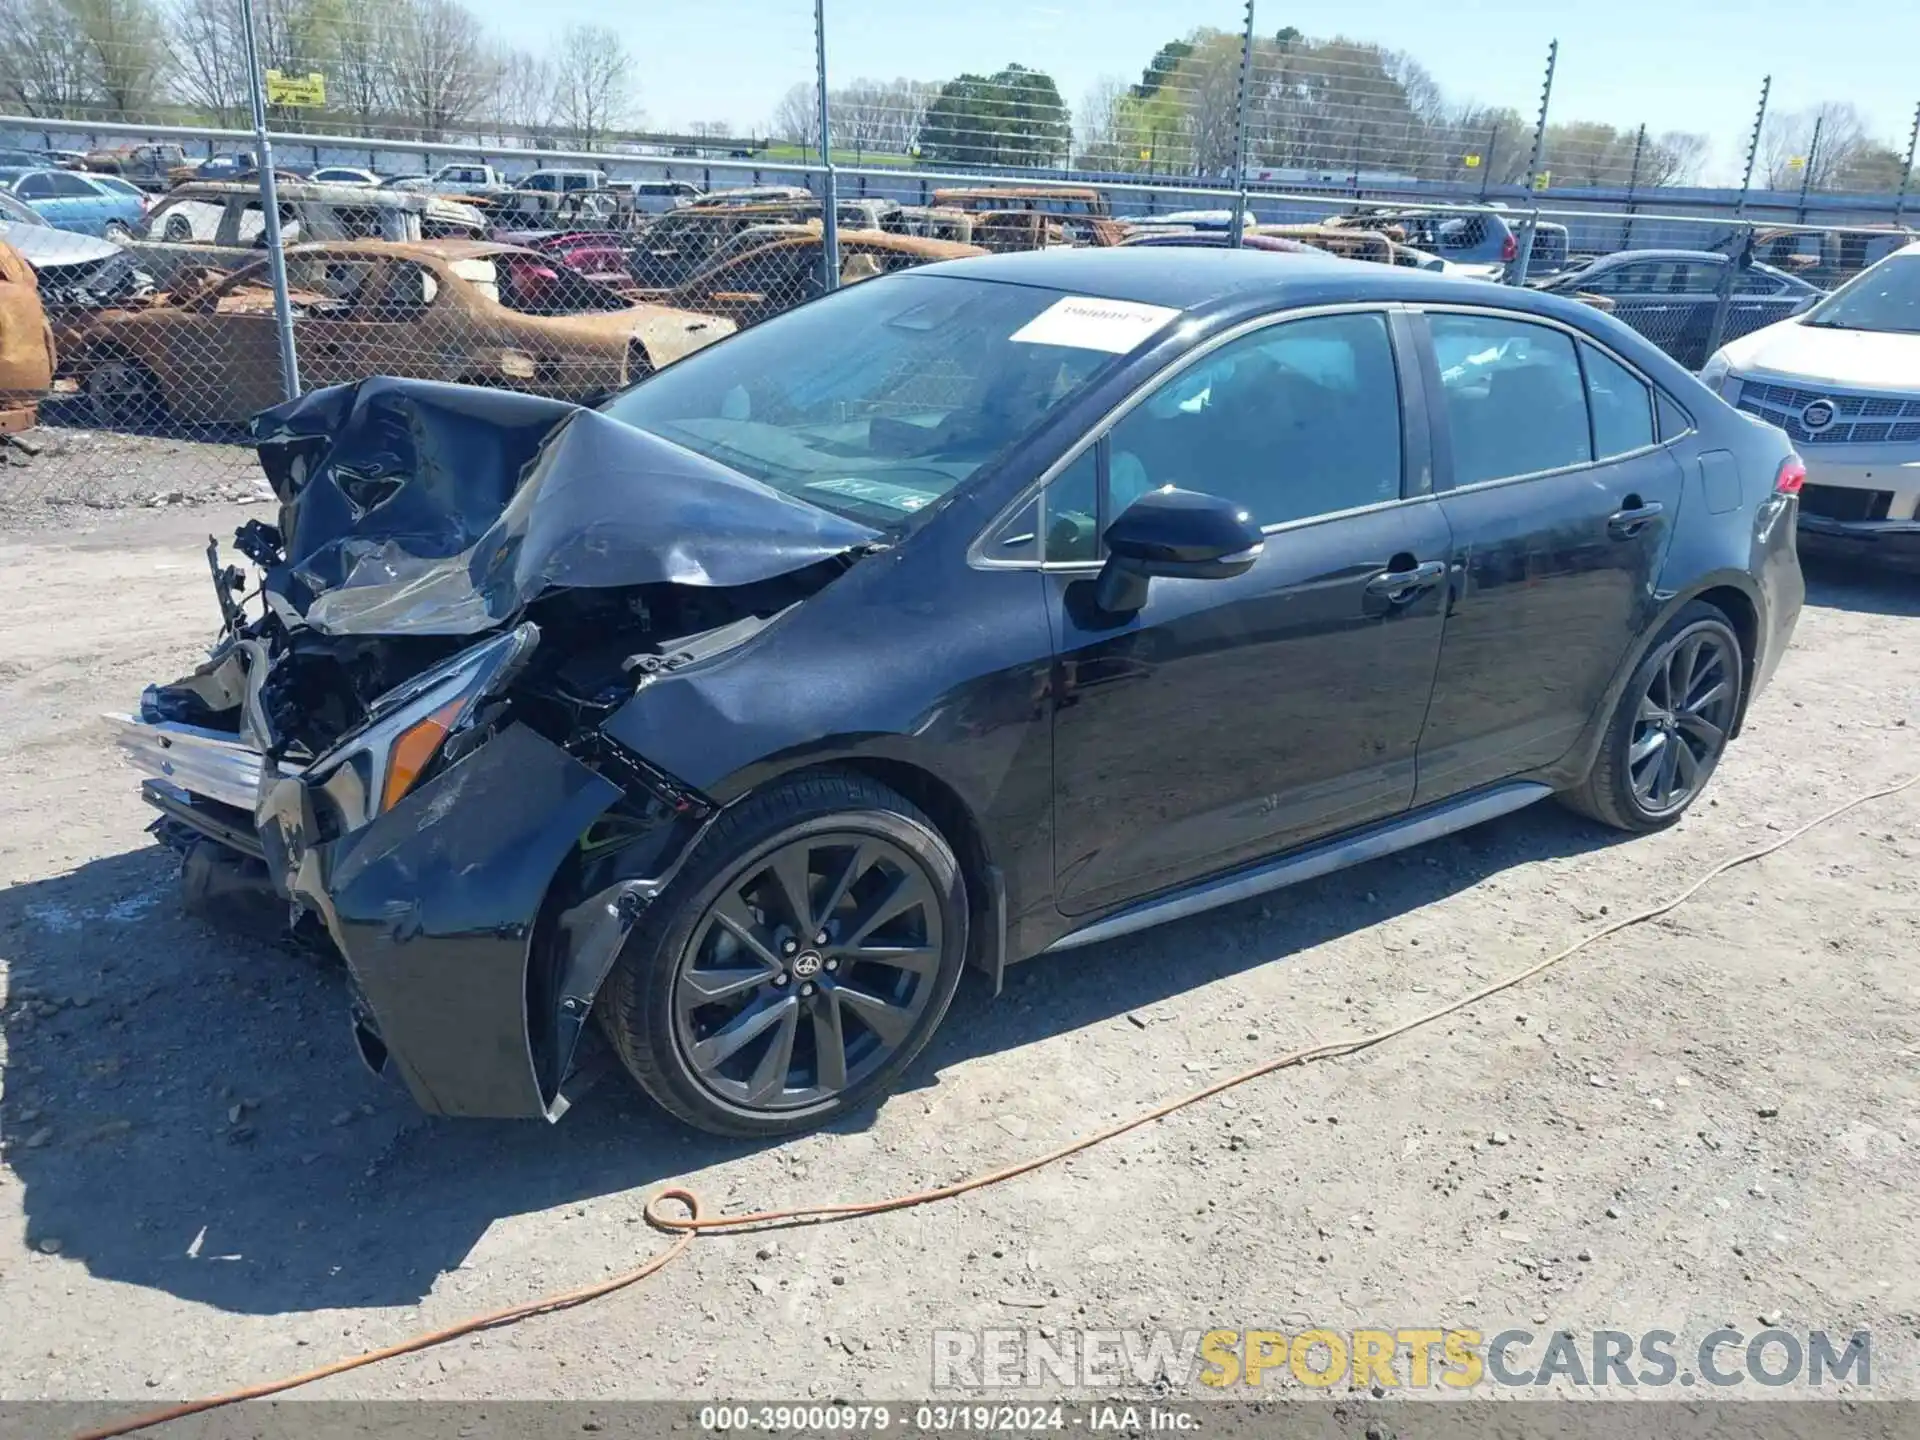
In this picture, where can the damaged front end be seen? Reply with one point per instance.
(399, 735)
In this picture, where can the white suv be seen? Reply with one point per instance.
(1843, 380)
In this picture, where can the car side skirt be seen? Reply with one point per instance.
(1323, 858)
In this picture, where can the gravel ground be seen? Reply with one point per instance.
(1706, 1120)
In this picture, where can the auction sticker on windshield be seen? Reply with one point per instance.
(1086, 323)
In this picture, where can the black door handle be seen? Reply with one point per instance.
(1399, 586)
(1625, 523)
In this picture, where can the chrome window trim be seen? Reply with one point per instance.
(976, 551)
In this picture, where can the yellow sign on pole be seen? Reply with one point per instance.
(1542, 180)
(309, 90)
(1146, 154)
(1472, 161)
(1796, 162)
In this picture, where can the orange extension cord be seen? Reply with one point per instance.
(686, 1227)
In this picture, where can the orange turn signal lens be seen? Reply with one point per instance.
(414, 750)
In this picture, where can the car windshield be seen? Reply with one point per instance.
(1885, 298)
(879, 400)
(14, 212)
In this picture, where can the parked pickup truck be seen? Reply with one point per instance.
(467, 179)
(147, 166)
(223, 225)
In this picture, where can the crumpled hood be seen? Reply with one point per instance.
(418, 508)
(44, 247)
(1813, 356)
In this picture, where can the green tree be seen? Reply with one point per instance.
(1012, 117)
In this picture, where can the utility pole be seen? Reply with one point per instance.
(829, 190)
(1906, 171)
(270, 208)
(1486, 160)
(1753, 147)
(1517, 274)
(1240, 131)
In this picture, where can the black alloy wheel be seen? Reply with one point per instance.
(1686, 711)
(797, 964)
(1670, 725)
(808, 971)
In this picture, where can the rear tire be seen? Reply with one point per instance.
(742, 1016)
(1669, 727)
(122, 394)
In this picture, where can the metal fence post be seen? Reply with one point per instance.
(1811, 159)
(1723, 292)
(270, 208)
(1517, 272)
(829, 191)
(1633, 182)
(1753, 147)
(1906, 171)
(1240, 132)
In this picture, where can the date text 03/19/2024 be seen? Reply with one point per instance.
(940, 1419)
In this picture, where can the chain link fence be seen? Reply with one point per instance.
(344, 215)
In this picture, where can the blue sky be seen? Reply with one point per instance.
(1673, 64)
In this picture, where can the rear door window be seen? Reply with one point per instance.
(1514, 397)
(1622, 405)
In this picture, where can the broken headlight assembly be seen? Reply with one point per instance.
(413, 726)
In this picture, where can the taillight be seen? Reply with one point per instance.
(1509, 248)
(1792, 476)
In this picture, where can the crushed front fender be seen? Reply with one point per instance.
(434, 905)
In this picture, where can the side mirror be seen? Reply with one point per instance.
(1178, 535)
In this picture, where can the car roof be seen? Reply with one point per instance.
(1246, 281)
(1711, 256)
(448, 249)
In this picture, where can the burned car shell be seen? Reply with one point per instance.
(211, 351)
(210, 223)
(26, 344)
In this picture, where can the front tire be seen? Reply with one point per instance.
(1670, 726)
(117, 231)
(799, 962)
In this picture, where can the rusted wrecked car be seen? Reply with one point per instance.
(467, 311)
(786, 271)
(224, 225)
(680, 243)
(26, 345)
(1080, 213)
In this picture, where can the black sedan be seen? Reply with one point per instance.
(962, 615)
(1670, 296)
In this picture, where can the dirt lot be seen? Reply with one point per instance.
(1707, 1120)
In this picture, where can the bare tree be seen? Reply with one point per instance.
(1788, 151)
(1674, 158)
(125, 42)
(441, 73)
(46, 65)
(796, 118)
(209, 62)
(362, 82)
(523, 100)
(591, 89)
